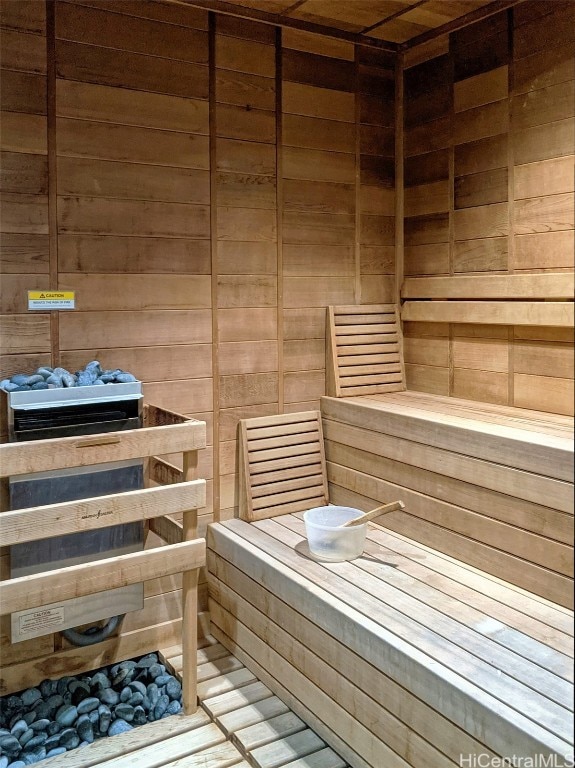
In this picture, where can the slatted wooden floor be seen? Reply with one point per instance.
(240, 723)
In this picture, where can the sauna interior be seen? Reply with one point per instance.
(216, 183)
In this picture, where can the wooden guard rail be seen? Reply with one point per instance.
(164, 432)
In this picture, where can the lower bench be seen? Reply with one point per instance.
(403, 657)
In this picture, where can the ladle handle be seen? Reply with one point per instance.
(382, 510)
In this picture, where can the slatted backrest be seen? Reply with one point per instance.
(364, 350)
(282, 465)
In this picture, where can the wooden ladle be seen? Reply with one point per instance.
(381, 510)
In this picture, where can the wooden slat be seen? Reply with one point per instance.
(252, 714)
(45, 455)
(281, 464)
(542, 286)
(368, 332)
(85, 579)
(59, 519)
(557, 314)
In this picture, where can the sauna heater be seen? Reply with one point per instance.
(90, 410)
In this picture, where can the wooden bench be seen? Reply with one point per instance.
(403, 657)
(489, 484)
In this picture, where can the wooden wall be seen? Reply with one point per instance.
(489, 143)
(207, 186)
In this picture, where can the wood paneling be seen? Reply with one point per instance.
(91, 64)
(129, 144)
(96, 26)
(98, 178)
(89, 330)
(320, 71)
(97, 253)
(106, 217)
(89, 101)
(315, 133)
(330, 104)
(245, 56)
(548, 177)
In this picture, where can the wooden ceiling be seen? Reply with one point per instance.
(400, 22)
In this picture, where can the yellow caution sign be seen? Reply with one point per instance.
(50, 300)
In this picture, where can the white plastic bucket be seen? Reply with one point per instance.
(327, 539)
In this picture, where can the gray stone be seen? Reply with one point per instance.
(135, 699)
(18, 764)
(55, 701)
(52, 741)
(85, 730)
(30, 716)
(162, 680)
(155, 670)
(45, 371)
(53, 728)
(62, 685)
(124, 712)
(8, 386)
(119, 726)
(140, 717)
(66, 715)
(147, 661)
(174, 688)
(124, 378)
(42, 710)
(13, 702)
(69, 738)
(153, 693)
(125, 694)
(19, 727)
(100, 681)
(25, 737)
(85, 379)
(54, 379)
(137, 687)
(69, 380)
(40, 724)
(19, 379)
(56, 751)
(10, 745)
(161, 706)
(37, 741)
(22, 388)
(109, 696)
(105, 718)
(40, 385)
(47, 688)
(34, 379)
(88, 705)
(173, 708)
(33, 756)
(3, 761)
(30, 696)
(122, 676)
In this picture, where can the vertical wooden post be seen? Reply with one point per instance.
(190, 599)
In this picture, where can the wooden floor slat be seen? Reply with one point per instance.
(286, 750)
(253, 714)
